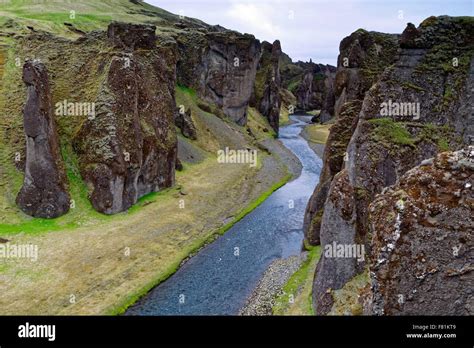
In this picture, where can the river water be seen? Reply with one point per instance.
(218, 280)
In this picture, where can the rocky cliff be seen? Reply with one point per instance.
(128, 149)
(221, 66)
(431, 63)
(312, 84)
(44, 193)
(422, 246)
(362, 58)
(267, 89)
(315, 91)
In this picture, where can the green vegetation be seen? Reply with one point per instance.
(391, 132)
(412, 86)
(440, 135)
(293, 85)
(85, 15)
(317, 133)
(296, 297)
(346, 300)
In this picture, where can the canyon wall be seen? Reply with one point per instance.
(422, 246)
(221, 66)
(129, 148)
(431, 62)
(266, 95)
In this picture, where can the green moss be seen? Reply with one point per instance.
(442, 136)
(187, 90)
(296, 282)
(317, 217)
(390, 132)
(293, 85)
(346, 299)
(412, 86)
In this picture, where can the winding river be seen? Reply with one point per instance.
(218, 280)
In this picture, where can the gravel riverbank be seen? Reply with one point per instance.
(270, 286)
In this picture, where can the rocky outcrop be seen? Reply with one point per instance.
(184, 122)
(387, 143)
(221, 66)
(129, 148)
(132, 36)
(267, 96)
(362, 58)
(315, 91)
(43, 193)
(422, 244)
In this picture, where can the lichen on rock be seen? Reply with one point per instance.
(129, 148)
(44, 193)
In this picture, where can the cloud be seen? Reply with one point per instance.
(255, 18)
(317, 26)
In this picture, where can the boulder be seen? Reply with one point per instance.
(129, 36)
(184, 122)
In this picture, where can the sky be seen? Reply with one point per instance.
(314, 28)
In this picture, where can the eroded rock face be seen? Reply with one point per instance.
(43, 193)
(129, 148)
(131, 36)
(356, 73)
(384, 147)
(422, 244)
(221, 66)
(315, 91)
(267, 96)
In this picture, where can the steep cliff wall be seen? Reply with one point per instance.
(363, 57)
(316, 89)
(221, 66)
(422, 243)
(432, 62)
(267, 89)
(129, 148)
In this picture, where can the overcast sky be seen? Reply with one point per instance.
(313, 28)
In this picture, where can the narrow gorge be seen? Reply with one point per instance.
(165, 166)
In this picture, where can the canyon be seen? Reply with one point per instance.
(119, 202)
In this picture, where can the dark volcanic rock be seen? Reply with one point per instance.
(315, 91)
(43, 193)
(184, 122)
(384, 147)
(267, 95)
(129, 148)
(356, 73)
(131, 36)
(422, 245)
(221, 66)
(409, 36)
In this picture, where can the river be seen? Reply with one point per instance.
(220, 277)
